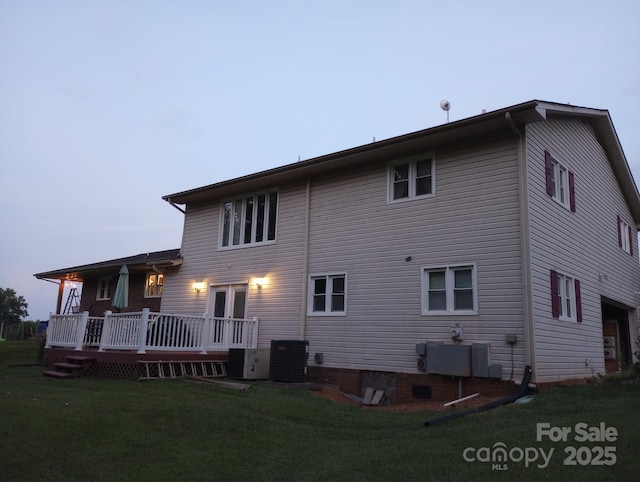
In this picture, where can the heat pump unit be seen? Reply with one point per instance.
(288, 360)
(610, 353)
(249, 363)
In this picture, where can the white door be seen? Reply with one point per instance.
(229, 302)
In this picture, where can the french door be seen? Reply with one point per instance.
(229, 307)
(229, 302)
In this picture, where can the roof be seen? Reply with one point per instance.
(145, 261)
(494, 122)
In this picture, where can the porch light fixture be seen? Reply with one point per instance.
(198, 286)
(260, 282)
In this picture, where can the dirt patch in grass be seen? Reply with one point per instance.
(335, 395)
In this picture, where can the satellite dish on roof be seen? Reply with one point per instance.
(445, 105)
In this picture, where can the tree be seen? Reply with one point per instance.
(12, 307)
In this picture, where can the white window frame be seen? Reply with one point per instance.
(412, 177)
(449, 289)
(328, 295)
(560, 182)
(242, 202)
(566, 297)
(104, 288)
(154, 290)
(625, 239)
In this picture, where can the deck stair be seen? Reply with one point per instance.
(153, 370)
(72, 367)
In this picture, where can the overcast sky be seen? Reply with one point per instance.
(105, 106)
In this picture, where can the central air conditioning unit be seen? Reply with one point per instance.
(288, 360)
(610, 353)
(249, 363)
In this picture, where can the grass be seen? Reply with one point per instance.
(95, 429)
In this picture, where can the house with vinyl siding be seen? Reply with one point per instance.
(445, 259)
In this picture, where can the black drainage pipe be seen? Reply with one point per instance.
(521, 392)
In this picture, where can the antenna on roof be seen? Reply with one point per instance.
(445, 105)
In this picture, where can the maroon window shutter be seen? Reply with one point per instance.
(548, 167)
(555, 303)
(619, 232)
(630, 241)
(578, 301)
(572, 192)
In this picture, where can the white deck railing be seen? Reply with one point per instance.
(148, 331)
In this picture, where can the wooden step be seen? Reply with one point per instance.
(80, 359)
(57, 374)
(73, 367)
(69, 366)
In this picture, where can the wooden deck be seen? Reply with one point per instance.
(132, 365)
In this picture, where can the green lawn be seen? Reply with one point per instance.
(94, 429)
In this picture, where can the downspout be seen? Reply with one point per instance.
(176, 206)
(520, 392)
(305, 262)
(525, 244)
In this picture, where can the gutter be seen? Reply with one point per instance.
(475, 125)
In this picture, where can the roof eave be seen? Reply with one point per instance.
(476, 125)
(527, 112)
(77, 273)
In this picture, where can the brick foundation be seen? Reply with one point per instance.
(399, 387)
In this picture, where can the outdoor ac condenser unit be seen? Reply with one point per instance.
(249, 363)
(289, 360)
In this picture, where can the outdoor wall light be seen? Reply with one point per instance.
(260, 282)
(198, 286)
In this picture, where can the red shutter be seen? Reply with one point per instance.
(630, 241)
(555, 303)
(578, 301)
(572, 192)
(548, 167)
(619, 232)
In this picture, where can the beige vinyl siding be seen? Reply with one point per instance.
(583, 244)
(278, 304)
(473, 218)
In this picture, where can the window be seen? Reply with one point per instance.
(566, 303)
(104, 289)
(560, 182)
(250, 220)
(625, 236)
(412, 178)
(153, 286)
(327, 294)
(449, 290)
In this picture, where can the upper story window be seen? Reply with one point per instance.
(560, 182)
(625, 236)
(153, 285)
(565, 297)
(412, 178)
(249, 220)
(328, 295)
(104, 289)
(449, 290)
